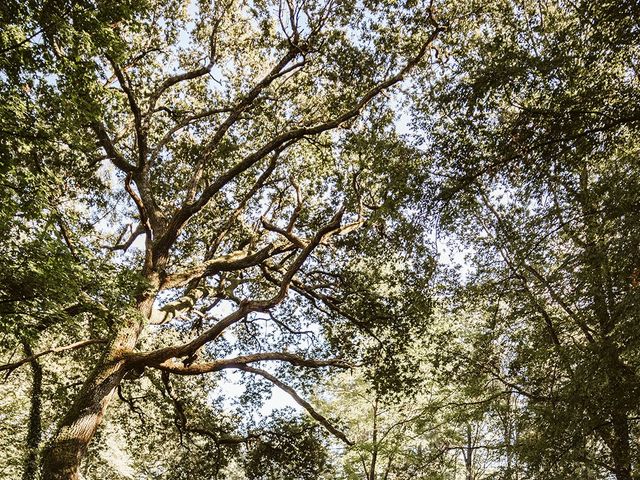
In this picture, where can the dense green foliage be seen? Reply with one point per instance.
(416, 220)
(538, 145)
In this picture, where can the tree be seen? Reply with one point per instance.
(450, 427)
(538, 154)
(205, 160)
(292, 450)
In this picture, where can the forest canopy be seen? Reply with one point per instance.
(300, 239)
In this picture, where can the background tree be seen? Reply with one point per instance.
(536, 147)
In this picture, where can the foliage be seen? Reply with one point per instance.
(536, 148)
(291, 448)
(438, 198)
(194, 187)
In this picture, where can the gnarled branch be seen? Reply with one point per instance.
(233, 261)
(236, 362)
(159, 356)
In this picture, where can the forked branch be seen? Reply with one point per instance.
(193, 205)
(157, 357)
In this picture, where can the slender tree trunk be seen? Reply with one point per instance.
(621, 451)
(63, 456)
(508, 437)
(468, 457)
(34, 433)
(620, 444)
(374, 454)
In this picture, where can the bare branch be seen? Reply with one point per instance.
(285, 233)
(132, 238)
(332, 226)
(299, 400)
(131, 404)
(73, 346)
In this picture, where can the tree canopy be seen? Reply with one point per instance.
(417, 220)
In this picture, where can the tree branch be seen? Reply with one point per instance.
(141, 135)
(112, 152)
(222, 232)
(139, 230)
(73, 346)
(182, 216)
(299, 400)
(159, 356)
(276, 72)
(233, 261)
(166, 138)
(217, 365)
(182, 305)
(190, 75)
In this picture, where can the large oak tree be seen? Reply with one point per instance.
(179, 173)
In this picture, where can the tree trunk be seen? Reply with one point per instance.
(35, 421)
(621, 451)
(468, 456)
(62, 458)
(374, 453)
(508, 437)
(620, 442)
(604, 302)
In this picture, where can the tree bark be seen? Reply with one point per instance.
(61, 459)
(34, 433)
(468, 455)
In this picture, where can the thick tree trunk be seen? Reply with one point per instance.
(62, 458)
(35, 422)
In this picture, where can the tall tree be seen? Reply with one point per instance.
(537, 146)
(205, 159)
